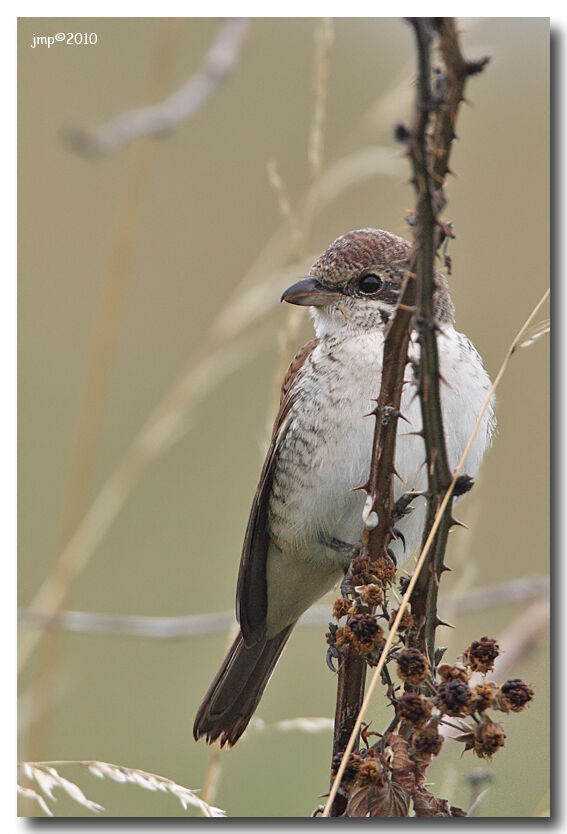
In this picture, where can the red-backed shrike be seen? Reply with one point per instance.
(320, 449)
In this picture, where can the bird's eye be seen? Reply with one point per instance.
(369, 284)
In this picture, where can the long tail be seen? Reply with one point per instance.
(237, 688)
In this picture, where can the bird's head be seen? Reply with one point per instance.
(355, 284)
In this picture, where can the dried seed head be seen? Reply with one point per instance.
(350, 771)
(483, 696)
(454, 697)
(366, 634)
(384, 569)
(427, 740)
(412, 666)
(362, 572)
(343, 636)
(364, 626)
(481, 654)
(371, 594)
(342, 607)
(407, 619)
(514, 695)
(488, 738)
(369, 773)
(450, 673)
(414, 708)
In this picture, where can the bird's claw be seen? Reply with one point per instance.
(347, 585)
(402, 505)
(399, 535)
(332, 653)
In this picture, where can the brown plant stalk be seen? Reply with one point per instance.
(430, 163)
(517, 342)
(429, 159)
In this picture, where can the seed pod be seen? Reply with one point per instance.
(514, 695)
(481, 654)
(366, 634)
(371, 594)
(414, 708)
(450, 673)
(483, 696)
(406, 621)
(412, 666)
(488, 738)
(454, 697)
(342, 607)
(427, 740)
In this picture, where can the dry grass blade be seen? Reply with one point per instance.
(405, 600)
(324, 37)
(47, 777)
(29, 793)
(477, 802)
(284, 203)
(536, 332)
(317, 724)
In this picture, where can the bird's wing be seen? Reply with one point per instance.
(251, 591)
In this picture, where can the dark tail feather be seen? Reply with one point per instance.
(235, 692)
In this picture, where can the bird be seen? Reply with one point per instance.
(306, 516)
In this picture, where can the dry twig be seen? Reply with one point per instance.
(181, 105)
(200, 625)
(417, 290)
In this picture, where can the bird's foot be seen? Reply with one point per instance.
(347, 585)
(403, 506)
(399, 535)
(332, 650)
(392, 556)
(332, 654)
(350, 552)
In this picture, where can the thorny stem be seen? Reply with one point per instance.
(423, 556)
(429, 153)
(424, 599)
(416, 298)
(352, 671)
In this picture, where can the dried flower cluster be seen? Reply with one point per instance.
(361, 630)
(450, 694)
(388, 778)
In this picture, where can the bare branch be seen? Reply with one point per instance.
(415, 311)
(429, 157)
(523, 589)
(178, 107)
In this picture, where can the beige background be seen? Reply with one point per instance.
(185, 242)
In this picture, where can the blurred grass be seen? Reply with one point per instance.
(209, 210)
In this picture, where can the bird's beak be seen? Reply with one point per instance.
(309, 293)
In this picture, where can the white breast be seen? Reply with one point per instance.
(327, 448)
